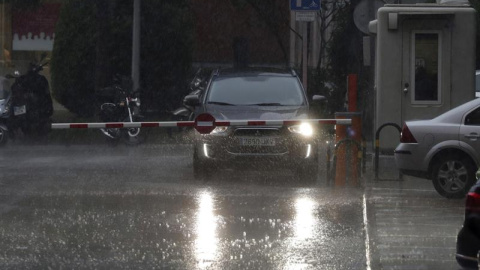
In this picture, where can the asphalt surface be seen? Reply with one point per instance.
(88, 206)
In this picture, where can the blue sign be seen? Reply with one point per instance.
(305, 5)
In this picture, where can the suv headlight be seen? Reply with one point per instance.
(219, 130)
(304, 129)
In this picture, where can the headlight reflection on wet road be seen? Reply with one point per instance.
(304, 218)
(305, 227)
(206, 243)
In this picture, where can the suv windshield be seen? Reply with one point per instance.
(256, 90)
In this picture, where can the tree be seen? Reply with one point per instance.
(167, 46)
(340, 52)
(73, 57)
(329, 14)
(274, 18)
(94, 43)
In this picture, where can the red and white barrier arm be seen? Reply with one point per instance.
(122, 125)
(204, 123)
(200, 123)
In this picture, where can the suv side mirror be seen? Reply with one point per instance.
(318, 98)
(191, 100)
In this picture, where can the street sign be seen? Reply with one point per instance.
(204, 123)
(305, 5)
(305, 16)
(364, 12)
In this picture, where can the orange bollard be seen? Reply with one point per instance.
(353, 132)
(341, 153)
(356, 130)
(352, 92)
(346, 164)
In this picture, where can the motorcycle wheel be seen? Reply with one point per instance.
(133, 136)
(115, 134)
(3, 136)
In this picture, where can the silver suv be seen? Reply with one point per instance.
(255, 94)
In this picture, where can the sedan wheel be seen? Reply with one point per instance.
(453, 176)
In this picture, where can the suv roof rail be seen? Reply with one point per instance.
(225, 71)
(293, 72)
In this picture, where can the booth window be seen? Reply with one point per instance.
(426, 68)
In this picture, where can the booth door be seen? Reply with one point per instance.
(426, 68)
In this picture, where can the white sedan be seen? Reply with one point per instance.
(445, 149)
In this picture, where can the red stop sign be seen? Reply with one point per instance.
(205, 123)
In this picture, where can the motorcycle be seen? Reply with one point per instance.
(124, 107)
(5, 109)
(197, 86)
(185, 112)
(32, 105)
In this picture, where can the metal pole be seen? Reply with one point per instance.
(3, 34)
(292, 39)
(370, 107)
(136, 45)
(305, 55)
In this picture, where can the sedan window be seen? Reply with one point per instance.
(256, 90)
(473, 118)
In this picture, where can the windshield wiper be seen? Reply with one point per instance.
(266, 104)
(220, 103)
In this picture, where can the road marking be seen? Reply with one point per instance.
(367, 236)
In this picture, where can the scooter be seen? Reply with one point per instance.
(185, 112)
(197, 86)
(5, 109)
(125, 107)
(31, 103)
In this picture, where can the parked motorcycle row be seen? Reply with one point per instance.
(26, 106)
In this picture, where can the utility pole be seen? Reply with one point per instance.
(292, 39)
(136, 45)
(305, 55)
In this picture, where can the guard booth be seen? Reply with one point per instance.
(425, 63)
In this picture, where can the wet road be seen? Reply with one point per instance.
(95, 206)
(103, 207)
(411, 226)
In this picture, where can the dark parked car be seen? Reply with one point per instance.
(468, 240)
(255, 94)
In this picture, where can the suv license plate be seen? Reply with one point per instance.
(254, 141)
(19, 110)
